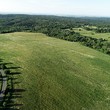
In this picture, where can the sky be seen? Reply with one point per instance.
(56, 7)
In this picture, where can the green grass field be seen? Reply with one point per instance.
(57, 74)
(92, 33)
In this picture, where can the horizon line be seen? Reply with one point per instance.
(61, 15)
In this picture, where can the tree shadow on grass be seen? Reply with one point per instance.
(13, 73)
(11, 93)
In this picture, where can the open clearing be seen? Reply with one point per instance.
(92, 33)
(57, 74)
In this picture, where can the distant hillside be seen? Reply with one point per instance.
(35, 23)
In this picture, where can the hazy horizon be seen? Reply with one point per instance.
(94, 8)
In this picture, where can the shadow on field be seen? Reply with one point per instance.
(12, 93)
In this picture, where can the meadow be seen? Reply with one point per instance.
(56, 74)
(93, 34)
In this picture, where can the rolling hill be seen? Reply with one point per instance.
(56, 74)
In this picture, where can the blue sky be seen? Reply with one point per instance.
(57, 7)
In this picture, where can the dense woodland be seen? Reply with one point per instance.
(59, 27)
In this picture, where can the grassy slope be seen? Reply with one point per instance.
(92, 34)
(57, 74)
